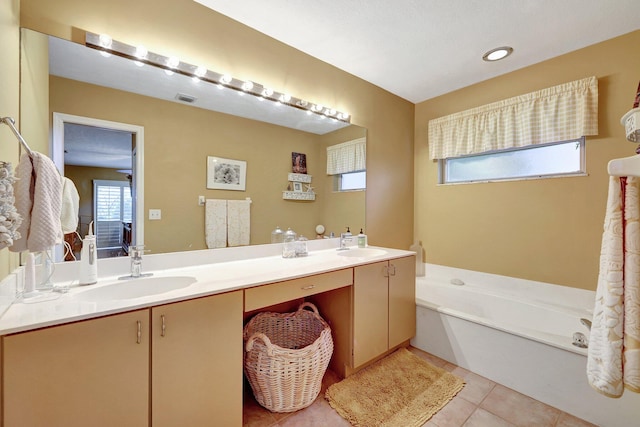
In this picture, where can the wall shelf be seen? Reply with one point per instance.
(300, 177)
(298, 195)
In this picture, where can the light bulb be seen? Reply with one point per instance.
(173, 62)
(267, 92)
(141, 52)
(225, 79)
(248, 85)
(105, 41)
(285, 97)
(200, 71)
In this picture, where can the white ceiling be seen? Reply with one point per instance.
(419, 49)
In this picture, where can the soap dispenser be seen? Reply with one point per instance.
(89, 259)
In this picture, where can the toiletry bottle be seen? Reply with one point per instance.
(89, 259)
(362, 239)
(417, 248)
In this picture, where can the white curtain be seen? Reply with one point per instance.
(559, 113)
(347, 157)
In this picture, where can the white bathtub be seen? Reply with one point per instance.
(517, 333)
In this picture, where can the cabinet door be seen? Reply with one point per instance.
(370, 312)
(90, 373)
(402, 300)
(197, 362)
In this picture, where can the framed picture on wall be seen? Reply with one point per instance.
(297, 187)
(226, 174)
(299, 163)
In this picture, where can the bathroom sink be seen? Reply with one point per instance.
(362, 252)
(136, 288)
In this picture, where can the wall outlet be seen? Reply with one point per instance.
(155, 214)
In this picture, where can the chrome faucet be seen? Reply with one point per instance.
(344, 239)
(135, 254)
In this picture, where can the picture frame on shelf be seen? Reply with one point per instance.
(297, 187)
(226, 174)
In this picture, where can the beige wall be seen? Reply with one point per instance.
(9, 99)
(340, 209)
(547, 230)
(200, 36)
(34, 90)
(178, 139)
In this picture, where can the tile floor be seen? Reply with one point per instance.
(481, 403)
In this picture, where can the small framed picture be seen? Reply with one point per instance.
(226, 174)
(299, 163)
(297, 187)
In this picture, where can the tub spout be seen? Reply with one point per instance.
(586, 322)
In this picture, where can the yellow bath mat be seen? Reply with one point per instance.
(400, 390)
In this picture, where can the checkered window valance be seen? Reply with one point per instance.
(560, 113)
(347, 157)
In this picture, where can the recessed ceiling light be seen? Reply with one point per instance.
(497, 53)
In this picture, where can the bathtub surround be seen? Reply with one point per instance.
(613, 362)
(517, 333)
(400, 390)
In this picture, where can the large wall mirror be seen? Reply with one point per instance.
(99, 116)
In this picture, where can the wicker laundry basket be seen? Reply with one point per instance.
(286, 357)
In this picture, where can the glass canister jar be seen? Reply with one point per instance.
(301, 246)
(289, 244)
(277, 235)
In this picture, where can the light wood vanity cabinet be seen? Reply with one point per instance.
(384, 313)
(196, 362)
(97, 372)
(94, 372)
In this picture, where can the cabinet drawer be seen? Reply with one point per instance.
(264, 296)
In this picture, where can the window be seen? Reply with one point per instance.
(112, 207)
(352, 181)
(537, 161)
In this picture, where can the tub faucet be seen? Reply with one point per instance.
(344, 239)
(586, 322)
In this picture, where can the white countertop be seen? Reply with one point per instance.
(213, 274)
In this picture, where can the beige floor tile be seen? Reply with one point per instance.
(476, 387)
(519, 409)
(482, 418)
(319, 414)
(454, 414)
(434, 360)
(567, 420)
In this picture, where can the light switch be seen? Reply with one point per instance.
(201, 200)
(155, 214)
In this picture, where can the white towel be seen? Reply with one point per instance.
(216, 223)
(70, 206)
(238, 222)
(613, 360)
(38, 194)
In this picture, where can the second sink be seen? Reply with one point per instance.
(136, 288)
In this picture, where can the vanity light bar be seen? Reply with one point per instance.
(142, 56)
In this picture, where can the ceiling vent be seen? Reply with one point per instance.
(186, 98)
